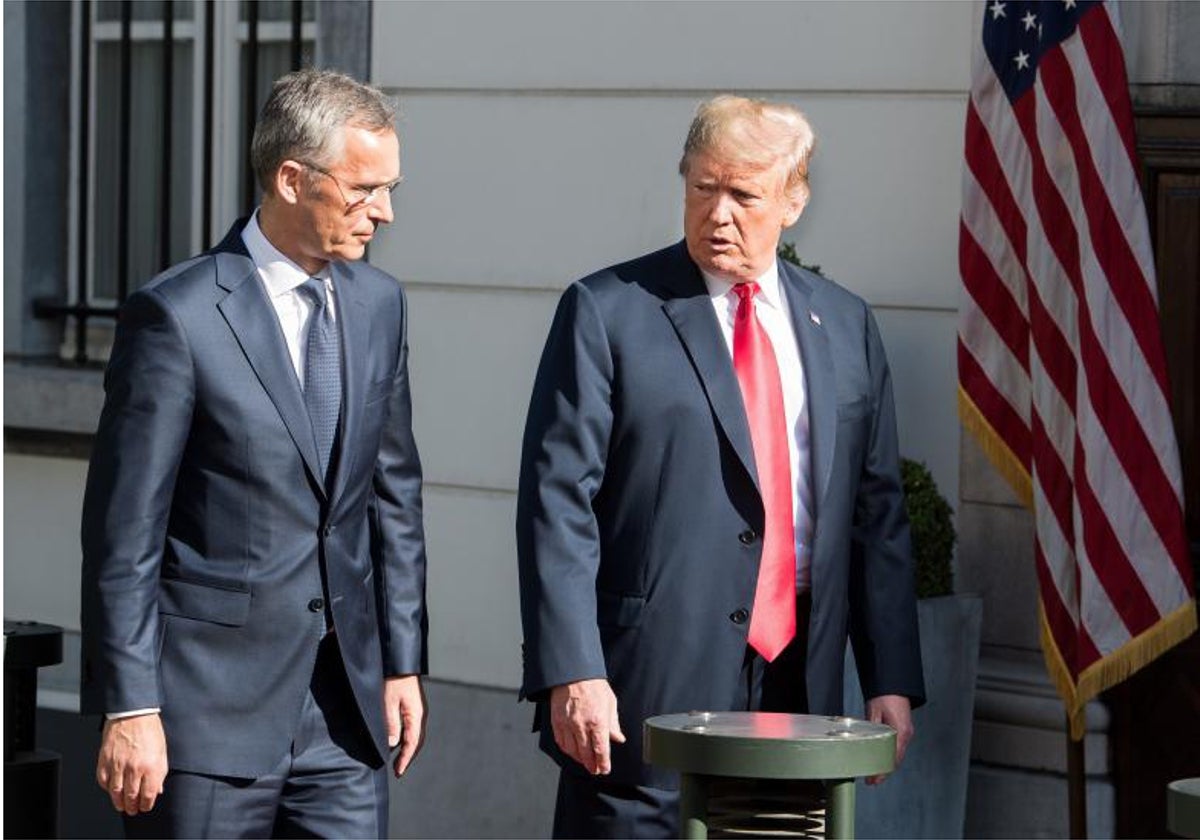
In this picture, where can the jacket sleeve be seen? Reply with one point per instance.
(562, 467)
(398, 531)
(883, 610)
(143, 430)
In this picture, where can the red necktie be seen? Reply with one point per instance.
(773, 622)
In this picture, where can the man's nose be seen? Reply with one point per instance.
(380, 210)
(721, 210)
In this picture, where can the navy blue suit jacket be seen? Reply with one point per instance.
(638, 488)
(205, 522)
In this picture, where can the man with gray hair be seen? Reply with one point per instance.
(253, 582)
(710, 498)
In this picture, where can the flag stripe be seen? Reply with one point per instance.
(1115, 414)
(1113, 252)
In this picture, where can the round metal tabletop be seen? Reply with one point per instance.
(769, 745)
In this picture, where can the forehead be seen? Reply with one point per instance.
(728, 166)
(363, 149)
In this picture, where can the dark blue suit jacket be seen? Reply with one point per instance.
(205, 522)
(638, 486)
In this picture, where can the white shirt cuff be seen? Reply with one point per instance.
(131, 713)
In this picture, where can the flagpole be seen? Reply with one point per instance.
(1076, 784)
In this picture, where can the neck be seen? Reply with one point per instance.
(276, 228)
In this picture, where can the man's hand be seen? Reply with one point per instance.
(404, 711)
(133, 762)
(584, 717)
(896, 711)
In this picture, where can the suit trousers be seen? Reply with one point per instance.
(596, 807)
(331, 782)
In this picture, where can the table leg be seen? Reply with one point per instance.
(693, 807)
(839, 812)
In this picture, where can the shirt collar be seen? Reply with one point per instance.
(768, 286)
(279, 274)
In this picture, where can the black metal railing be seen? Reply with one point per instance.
(86, 305)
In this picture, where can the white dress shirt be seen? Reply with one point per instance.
(281, 278)
(771, 307)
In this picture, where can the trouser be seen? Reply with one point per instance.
(331, 782)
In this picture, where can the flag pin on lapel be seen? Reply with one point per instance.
(815, 318)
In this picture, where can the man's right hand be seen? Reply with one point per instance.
(584, 717)
(133, 762)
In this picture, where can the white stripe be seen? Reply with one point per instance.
(1135, 533)
(1098, 615)
(1116, 339)
(994, 357)
(1111, 160)
(979, 217)
(1057, 418)
(1059, 555)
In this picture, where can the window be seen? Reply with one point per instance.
(165, 95)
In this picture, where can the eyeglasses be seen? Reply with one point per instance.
(359, 196)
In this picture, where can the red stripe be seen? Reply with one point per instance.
(993, 297)
(1087, 652)
(1109, 562)
(1051, 475)
(1059, 620)
(1107, 58)
(1108, 242)
(992, 405)
(1120, 422)
(1055, 354)
(985, 165)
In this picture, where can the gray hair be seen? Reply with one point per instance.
(304, 116)
(754, 132)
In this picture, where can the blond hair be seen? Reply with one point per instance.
(753, 132)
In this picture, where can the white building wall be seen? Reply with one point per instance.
(540, 142)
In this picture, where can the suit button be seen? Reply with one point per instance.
(316, 605)
(328, 530)
(739, 615)
(747, 537)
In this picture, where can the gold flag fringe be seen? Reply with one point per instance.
(1122, 663)
(997, 451)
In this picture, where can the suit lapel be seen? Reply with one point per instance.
(691, 311)
(819, 377)
(250, 316)
(353, 323)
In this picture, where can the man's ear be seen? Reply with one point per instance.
(797, 200)
(289, 181)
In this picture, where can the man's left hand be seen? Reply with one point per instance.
(896, 711)
(404, 711)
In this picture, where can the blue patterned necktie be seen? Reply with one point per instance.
(322, 372)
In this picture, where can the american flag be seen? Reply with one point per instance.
(1062, 375)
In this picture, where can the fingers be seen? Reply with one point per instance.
(404, 709)
(391, 714)
(410, 741)
(584, 720)
(895, 711)
(132, 764)
(614, 728)
(597, 738)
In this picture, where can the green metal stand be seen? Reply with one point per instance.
(693, 807)
(766, 745)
